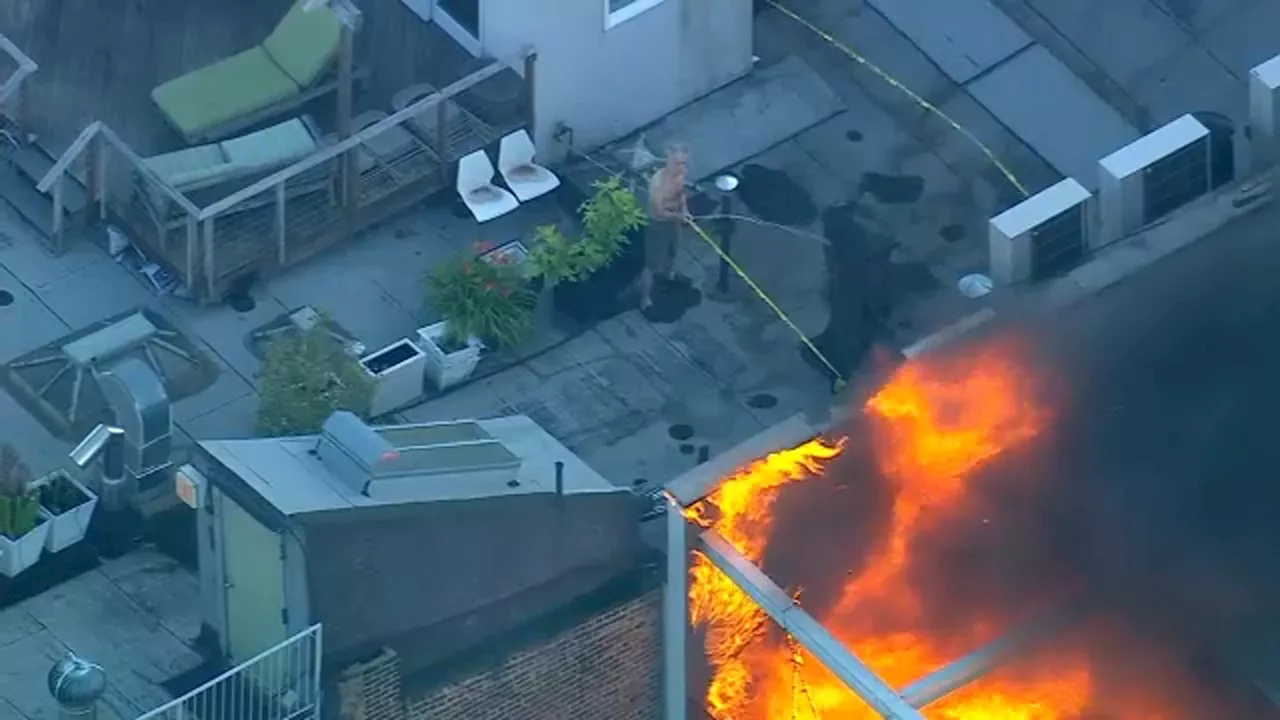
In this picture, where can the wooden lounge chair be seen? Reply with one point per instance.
(205, 166)
(464, 132)
(289, 68)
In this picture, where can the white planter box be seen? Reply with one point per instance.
(70, 526)
(447, 369)
(397, 371)
(18, 555)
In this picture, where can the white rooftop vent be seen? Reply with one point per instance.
(373, 460)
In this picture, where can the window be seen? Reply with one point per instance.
(464, 12)
(619, 11)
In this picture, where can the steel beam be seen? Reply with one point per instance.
(675, 621)
(778, 605)
(702, 480)
(955, 675)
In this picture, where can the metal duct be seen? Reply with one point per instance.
(142, 409)
(76, 685)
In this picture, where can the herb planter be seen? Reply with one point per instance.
(18, 554)
(446, 366)
(397, 371)
(67, 507)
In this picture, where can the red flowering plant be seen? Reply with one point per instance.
(483, 297)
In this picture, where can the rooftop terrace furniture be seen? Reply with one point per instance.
(386, 147)
(485, 200)
(463, 131)
(234, 93)
(204, 166)
(526, 178)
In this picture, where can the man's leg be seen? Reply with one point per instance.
(646, 288)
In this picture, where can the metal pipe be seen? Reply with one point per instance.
(808, 632)
(559, 478)
(676, 614)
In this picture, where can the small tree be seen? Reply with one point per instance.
(308, 376)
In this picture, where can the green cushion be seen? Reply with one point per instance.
(305, 42)
(226, 90)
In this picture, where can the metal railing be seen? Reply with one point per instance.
(282, 683)
(212, 237)
(15, 68)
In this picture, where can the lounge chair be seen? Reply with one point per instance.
(464, 132)
(526, 178)
(205, 166)
(240, 91)
(485, 200)
(388, 146)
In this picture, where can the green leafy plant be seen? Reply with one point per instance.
(607, 217)
(59, 495)
(487, 299)
(19, 495)
(307, 376)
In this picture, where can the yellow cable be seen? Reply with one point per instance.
(893, 82)
(724, 257)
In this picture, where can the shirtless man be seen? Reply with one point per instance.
(668, 211)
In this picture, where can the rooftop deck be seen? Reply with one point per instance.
(99, 59)
(134, 615)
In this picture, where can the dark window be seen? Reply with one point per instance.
(464, 12)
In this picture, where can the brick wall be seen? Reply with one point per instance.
(608, 667)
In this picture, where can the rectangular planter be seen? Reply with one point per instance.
(20, 554)
(68, 527)
(397, 371)
(447, 369)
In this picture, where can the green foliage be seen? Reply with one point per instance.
(19, 496)
(607, 217)
(308, 375)
(489, 300)
(58, 494)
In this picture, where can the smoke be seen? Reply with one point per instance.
(1154, 496)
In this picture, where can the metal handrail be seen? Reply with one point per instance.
(315, 631)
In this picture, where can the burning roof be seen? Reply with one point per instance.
(902, 537)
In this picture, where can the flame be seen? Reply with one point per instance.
(933, 423)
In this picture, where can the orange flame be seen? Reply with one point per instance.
(933, 424)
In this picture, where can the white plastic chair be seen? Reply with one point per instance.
(485, 200)
(526, 178)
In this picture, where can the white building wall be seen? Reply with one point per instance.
(605, 82)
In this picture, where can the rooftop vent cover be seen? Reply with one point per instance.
(360, 454)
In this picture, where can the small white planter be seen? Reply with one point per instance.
(447, 369)
(20, 554)
(397, 371)
(68, 527)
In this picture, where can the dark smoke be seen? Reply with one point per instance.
(1155, 497)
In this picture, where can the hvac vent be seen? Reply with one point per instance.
(362, 455)
(1175, 180)
(1058, 244)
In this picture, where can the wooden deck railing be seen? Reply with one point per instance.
(13, 90)
(290, 214)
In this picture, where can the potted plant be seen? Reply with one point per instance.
(22, 530)
(67, 506)
(307, 375)
(482, 304)
(588, 274)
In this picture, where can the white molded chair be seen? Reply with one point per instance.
(485, 200)
(526, 178)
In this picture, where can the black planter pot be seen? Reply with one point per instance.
(600, 295)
